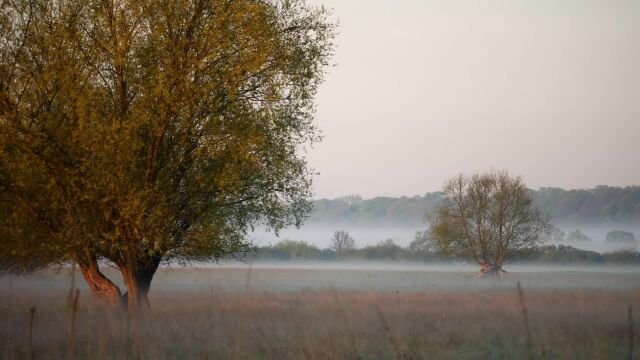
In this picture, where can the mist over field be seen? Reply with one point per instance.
(351, 276)
(285, 310)
(595, 212)
(319, 234)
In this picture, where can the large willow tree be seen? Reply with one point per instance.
(139, 131)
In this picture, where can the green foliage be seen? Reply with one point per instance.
(389, 251)
(294, 250)
(600, 204)
(562, 254)
(385, 250)
(300, 250)
(154, 129)
(622, 257)
(379, 210)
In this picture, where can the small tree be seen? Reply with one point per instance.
(342, 243)
(384, 250)
(486, 217)
(298, 250)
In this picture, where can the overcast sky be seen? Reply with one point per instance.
(423, 90)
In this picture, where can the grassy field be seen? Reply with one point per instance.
(287, 313)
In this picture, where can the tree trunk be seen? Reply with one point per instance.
(490, 269)
(137, 277)
(100, 285)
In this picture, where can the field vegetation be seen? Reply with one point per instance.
(388, 250)
(240, 319)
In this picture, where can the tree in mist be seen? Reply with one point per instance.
(620, 236)
(136, 132)
(577, 235)
(486, 217)
(342, 243)
(556, 234)
(422, 243)
(384, 250)
(292, 250)
(553, 234)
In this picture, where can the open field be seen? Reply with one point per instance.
(284, 313)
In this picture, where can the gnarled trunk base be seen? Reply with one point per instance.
(100, 285)
(489, 269)
(138, 278)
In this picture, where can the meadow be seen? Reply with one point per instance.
(357, 312)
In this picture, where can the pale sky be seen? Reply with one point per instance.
(425, 89)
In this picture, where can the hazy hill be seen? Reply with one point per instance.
(600, 204)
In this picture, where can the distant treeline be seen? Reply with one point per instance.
(387, 250)
(600, 204)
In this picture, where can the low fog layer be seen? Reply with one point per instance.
(598, 235)
(401, 277)
(438, 267)
(320, 235)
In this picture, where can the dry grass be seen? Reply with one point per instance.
(325, 324)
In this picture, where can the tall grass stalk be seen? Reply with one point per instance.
(240, 326)
(10, 349)
(72, 327)
(346, 322)
(397, 349)
(525, 319)
(32, 314)
(631, 334)
(127, 336)
(72, 284)
(247, 283)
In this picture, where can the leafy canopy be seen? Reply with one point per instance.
(487, 217)
(139, 128)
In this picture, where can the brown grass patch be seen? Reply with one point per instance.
(326, 325)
